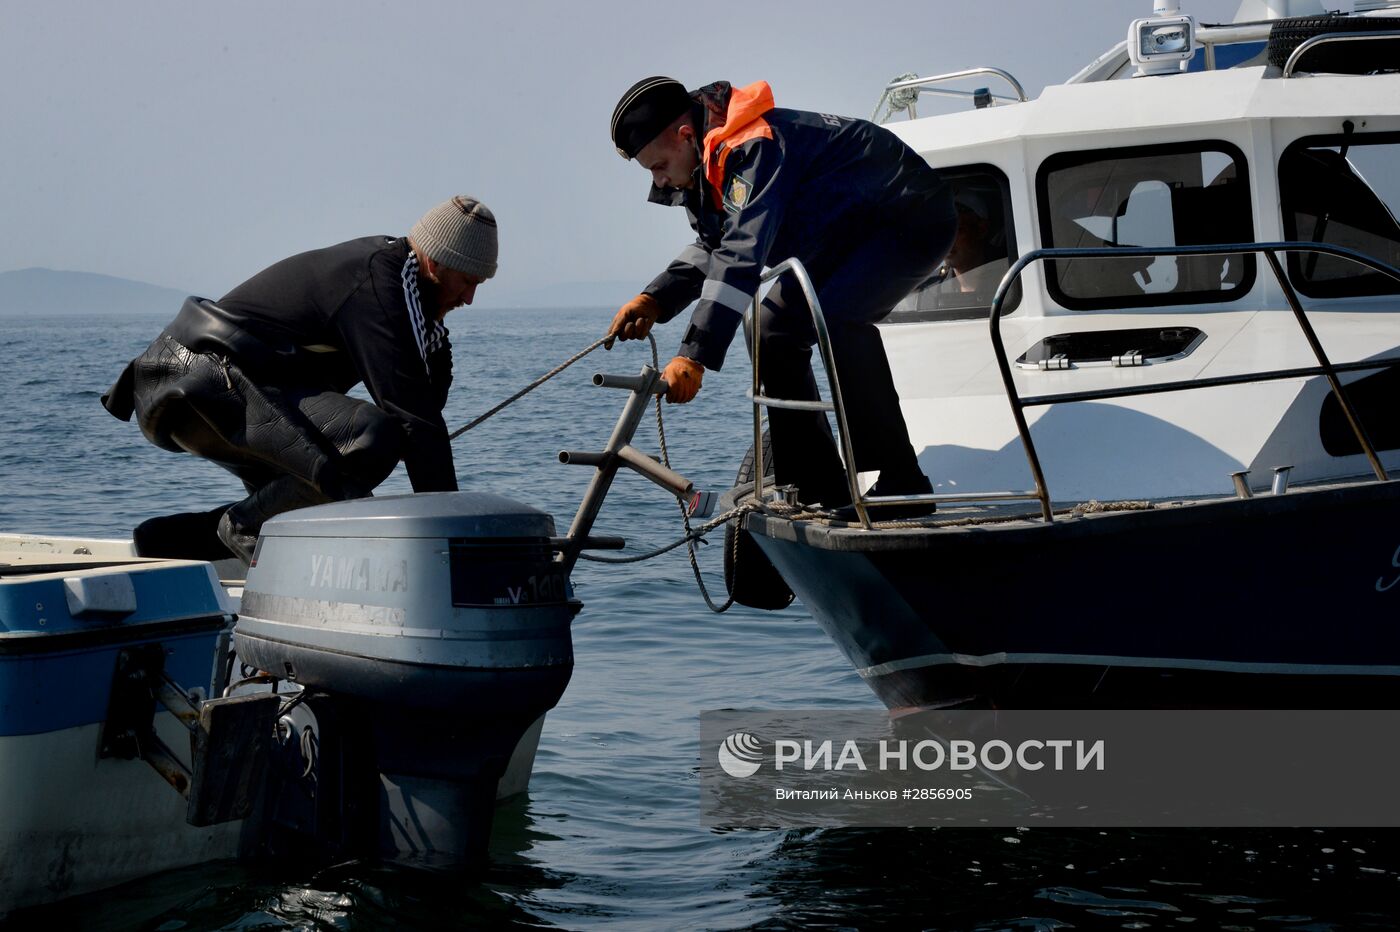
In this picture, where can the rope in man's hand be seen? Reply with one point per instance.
(691, 535)
(605, 341)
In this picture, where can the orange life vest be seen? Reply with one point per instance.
(743, 121)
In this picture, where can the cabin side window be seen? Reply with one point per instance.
(984, 246)
(1192, 194)
(1343, 191)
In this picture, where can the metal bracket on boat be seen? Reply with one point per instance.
(229, 737)
(783, 494)
(1240, 480)
(618, 453)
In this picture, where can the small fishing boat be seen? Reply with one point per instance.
(374, 686)
(1155, 387)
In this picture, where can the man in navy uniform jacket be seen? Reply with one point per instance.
(867, 217)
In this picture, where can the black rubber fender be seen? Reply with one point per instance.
(748, 575)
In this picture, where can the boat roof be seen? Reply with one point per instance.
(1106, 99)
(1175, 101)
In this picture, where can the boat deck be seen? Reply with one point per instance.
(33, 554)
(1021, 516)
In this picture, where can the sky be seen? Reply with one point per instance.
(189, 143)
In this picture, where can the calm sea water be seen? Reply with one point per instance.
(609, 833)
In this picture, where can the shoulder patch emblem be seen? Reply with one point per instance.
(738, 194)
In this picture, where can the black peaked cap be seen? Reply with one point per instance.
(648, 107)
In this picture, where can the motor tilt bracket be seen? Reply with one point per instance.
(229, 737)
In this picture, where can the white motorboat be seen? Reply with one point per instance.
(1155, 387)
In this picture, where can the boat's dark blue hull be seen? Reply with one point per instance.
(1287, 601)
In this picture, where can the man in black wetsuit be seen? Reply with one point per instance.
(256, 381)
(864, 213)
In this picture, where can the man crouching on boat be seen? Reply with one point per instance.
(256, 381)
(863, 212)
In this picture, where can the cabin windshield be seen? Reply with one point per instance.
(984, 245)
(1343, 191)
(1191, 194)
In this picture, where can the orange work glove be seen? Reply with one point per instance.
(682, 377)
(634, 320)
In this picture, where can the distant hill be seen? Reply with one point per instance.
(45, 291)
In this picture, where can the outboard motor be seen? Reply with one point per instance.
(429, 632)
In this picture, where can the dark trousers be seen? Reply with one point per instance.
(858, 282)
(292, 446)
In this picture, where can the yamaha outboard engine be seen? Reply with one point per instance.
(429, 632)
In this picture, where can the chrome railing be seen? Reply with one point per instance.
(862, 503)
(760, 401)
(1041, 493)
(1270, 250)
(928, 85)
(1308, 45)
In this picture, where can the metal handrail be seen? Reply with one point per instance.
(1309, 44)
(804, 281)
(837, 406)
(1270, 251)
(921, 84)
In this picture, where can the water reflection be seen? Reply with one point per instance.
(1047, 879)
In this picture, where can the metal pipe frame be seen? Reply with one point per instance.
(177, 702)
(809, 292)
(954, 92)
(788, 403)
(1234, 32)
(1208, 37)
(163, 760)
(1308, 45)
(921, 83)
(860, 502)
(1324, 367)
(667, 478)
(649, 383)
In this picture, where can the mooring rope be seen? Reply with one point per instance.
(691, 535)
(536, 384)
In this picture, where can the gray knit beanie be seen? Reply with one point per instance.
(460, 234)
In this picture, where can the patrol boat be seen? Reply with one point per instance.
(376, 683)
(1155, 387)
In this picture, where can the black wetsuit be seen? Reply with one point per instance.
(256, 382)
(870, 221)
